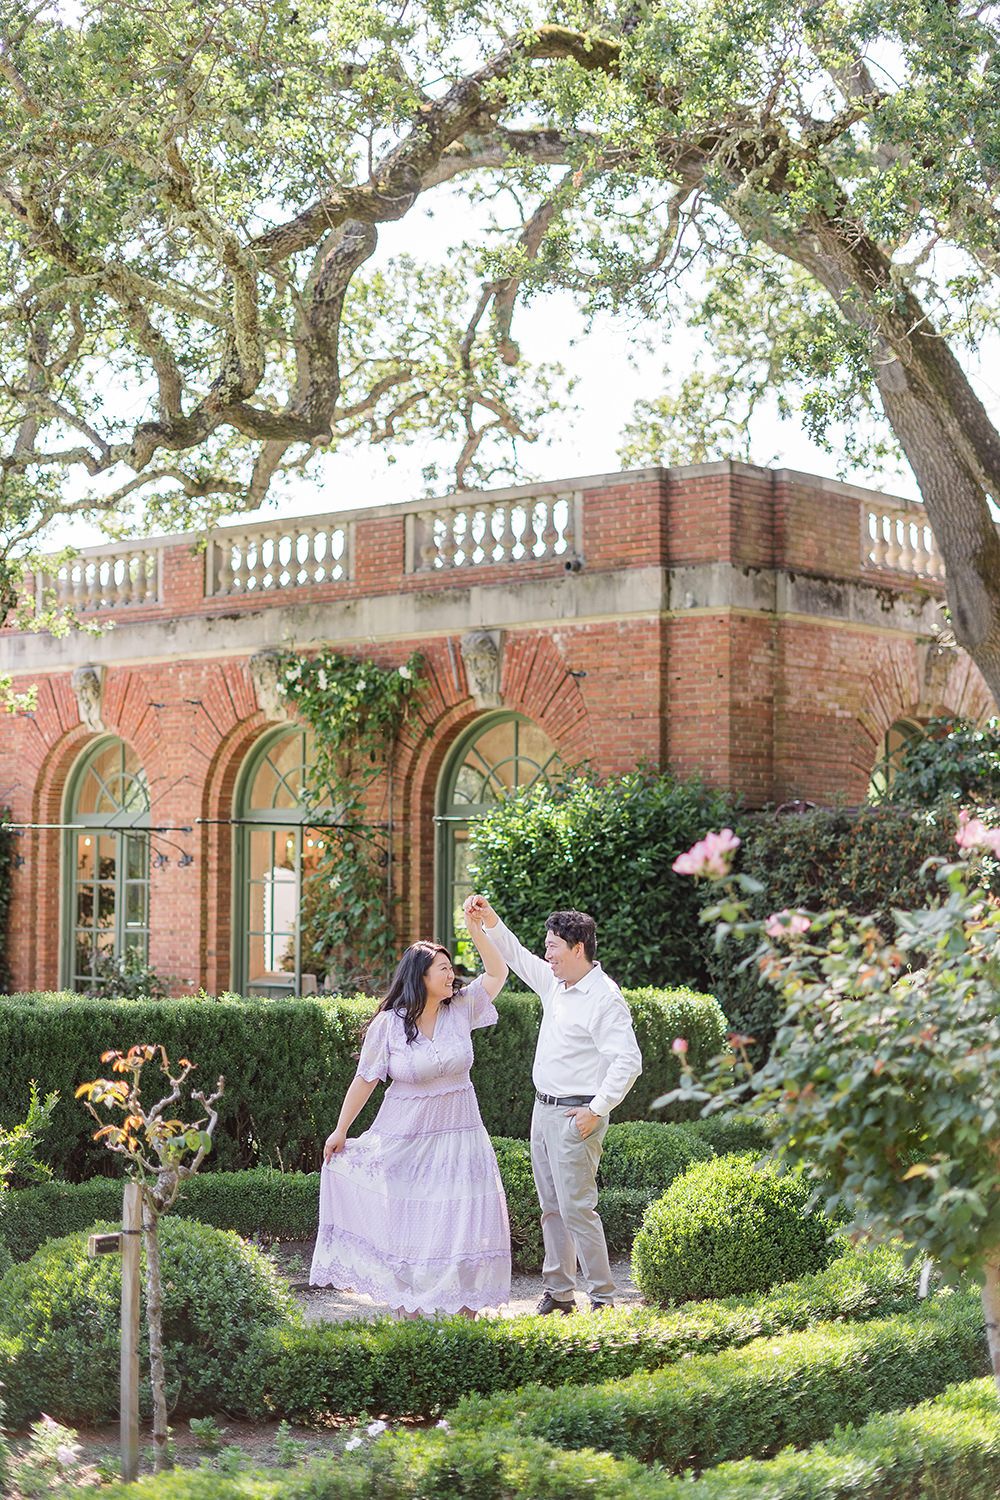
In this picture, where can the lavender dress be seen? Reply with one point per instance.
(412, 1211)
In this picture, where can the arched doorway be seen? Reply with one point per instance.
(276, 851)
(901, 732)
(495, 755)
(105, 862)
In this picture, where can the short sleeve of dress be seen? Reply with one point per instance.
(373, 1064)
(482, 1011)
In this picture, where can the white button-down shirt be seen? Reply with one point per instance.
(586, 1043)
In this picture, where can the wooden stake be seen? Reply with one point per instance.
(131, 1283)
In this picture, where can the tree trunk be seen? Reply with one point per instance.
(991, 1309)
(939, 421)
(154, 1319)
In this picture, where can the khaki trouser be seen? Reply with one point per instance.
(564, 1166)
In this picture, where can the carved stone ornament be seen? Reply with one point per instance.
(265, 674)
(88, 689)
(481, 653)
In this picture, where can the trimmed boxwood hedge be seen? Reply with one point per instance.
(641, 1160)
(945, 1449)
(288, 1063)
(752, 1402)
(417, 1369)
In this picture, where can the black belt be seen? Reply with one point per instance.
(571, 1101)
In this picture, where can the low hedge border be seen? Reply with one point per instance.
(287, 1064)
(272, 1205)
(944, 1449)
(752, 1402)
(421, 1368)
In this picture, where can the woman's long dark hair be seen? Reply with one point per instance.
(407, 994)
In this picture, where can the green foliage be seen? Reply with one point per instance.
(128, 977)
(640, 1158)
(644, 1154)
(356, 710)
(733, 1133)
(866, 862)
(419, 1369)
(728, 1227)
(19, 1145)
(952, 760)
(606, 849)
(750, 1402)
(60, 1323)
(882, 1073)
(268, 1204)
(262, 1203)
(944, 1449)
(7, 850)
(288, 1064)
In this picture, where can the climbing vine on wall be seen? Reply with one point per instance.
(356, 710)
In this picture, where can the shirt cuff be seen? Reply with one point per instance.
(599, 1106)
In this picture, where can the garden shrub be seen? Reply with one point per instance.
(60, 1323)
(951, 761)
(728, 1227)
(288, 1063)
(795, 1389)
(606, 849)
(261, 1204)
(944, 1449)
(640, 1158)
(645, 1154)
(419, 1369)
(867, 862)
(730, 1134)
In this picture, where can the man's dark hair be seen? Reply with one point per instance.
(575, 927)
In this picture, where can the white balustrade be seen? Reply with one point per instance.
(283, 555)
(122, 576)
(899, 540)
(481, 532)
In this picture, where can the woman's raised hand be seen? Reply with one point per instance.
(335, 1141)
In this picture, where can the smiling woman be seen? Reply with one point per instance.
(412, 1212)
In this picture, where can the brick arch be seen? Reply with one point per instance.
(918, 681)
(535, 682)
(37, 906)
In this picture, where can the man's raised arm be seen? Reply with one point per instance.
(534, 971)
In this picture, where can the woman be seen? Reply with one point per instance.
(412, 1211)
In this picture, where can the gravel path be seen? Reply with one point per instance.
(324, 1305)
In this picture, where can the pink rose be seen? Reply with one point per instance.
(679, 1045)
(974, 834)
(786, 924)
(711, 856)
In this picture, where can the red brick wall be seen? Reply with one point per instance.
(772, 706)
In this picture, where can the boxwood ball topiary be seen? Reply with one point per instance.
(726, 1228)
(60, 1323)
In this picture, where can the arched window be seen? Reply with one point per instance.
(895, 740)
(495, 755)
(106, 858)
(276, 851)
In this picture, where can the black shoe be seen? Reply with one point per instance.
(550, 1304)
(597, 1307)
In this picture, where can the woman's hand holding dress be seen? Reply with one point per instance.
(335, 1141)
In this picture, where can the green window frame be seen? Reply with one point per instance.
(275, 849)
(498, 753)
(106, 859)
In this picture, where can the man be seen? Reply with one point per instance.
(586, 1060)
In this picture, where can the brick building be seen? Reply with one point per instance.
(769, 629)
